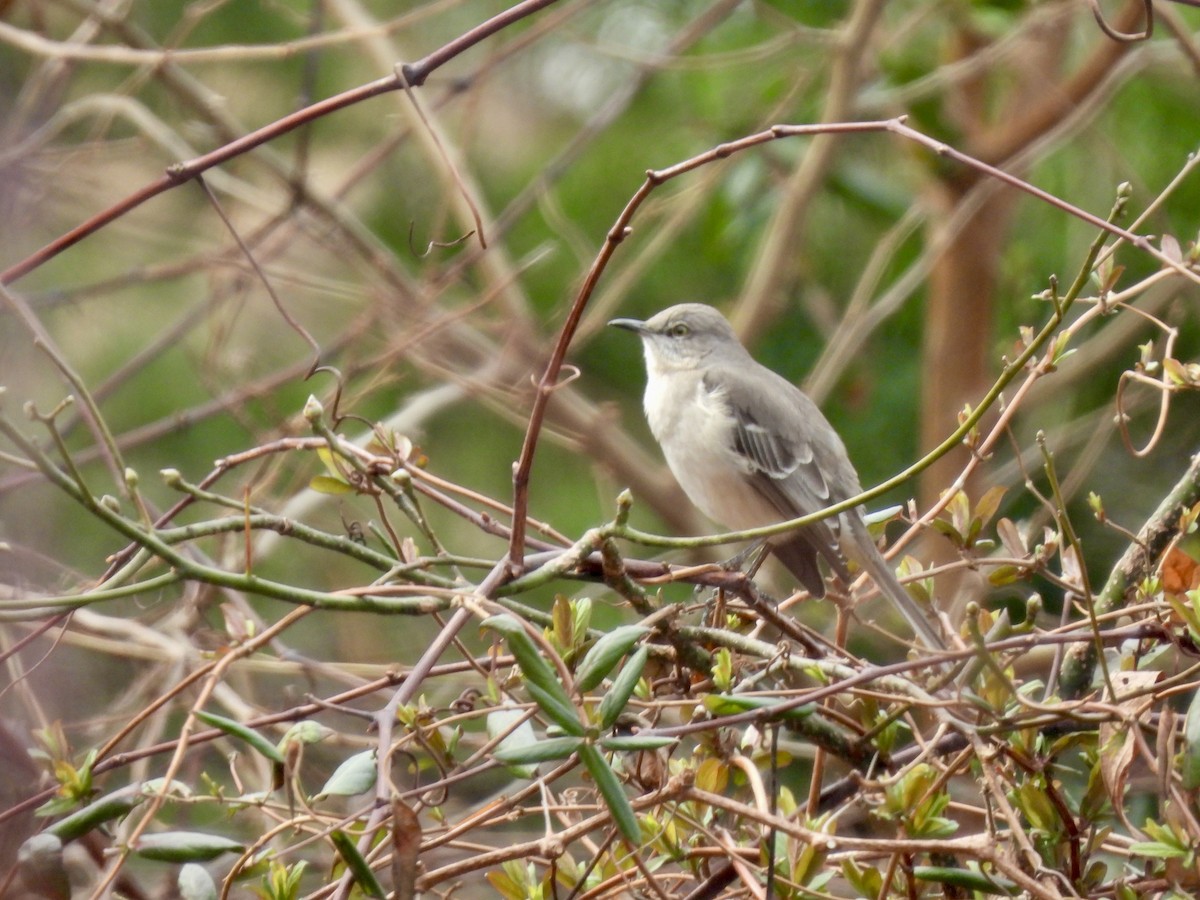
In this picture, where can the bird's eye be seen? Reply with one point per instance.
(679, 329)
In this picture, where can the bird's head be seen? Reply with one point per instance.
(685, 336)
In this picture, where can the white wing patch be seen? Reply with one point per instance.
(769, 455)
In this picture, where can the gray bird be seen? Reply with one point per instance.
(749, 449)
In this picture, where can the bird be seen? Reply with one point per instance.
(750, 449)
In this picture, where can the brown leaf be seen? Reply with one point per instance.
(1010, 537)
(1117, 743)
(1178, 570)
(1170, 248)
(406, 849)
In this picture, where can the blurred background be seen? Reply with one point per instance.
(889, 280)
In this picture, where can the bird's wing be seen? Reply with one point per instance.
(794, 458)
(789, 466)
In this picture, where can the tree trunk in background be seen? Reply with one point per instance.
(958, 364)
(958, 355)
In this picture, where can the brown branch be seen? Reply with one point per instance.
(409, 74)
(1060, 99)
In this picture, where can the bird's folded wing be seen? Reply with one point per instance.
(785, 468)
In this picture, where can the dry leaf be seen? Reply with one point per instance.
(1179, 569)
(1117, 743)
(406, 848)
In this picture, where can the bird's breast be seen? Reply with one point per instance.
(695, 429)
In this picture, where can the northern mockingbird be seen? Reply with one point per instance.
(749, 448)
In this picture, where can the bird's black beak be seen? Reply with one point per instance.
(635, 325)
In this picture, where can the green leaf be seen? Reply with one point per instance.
(617, 698)
(732, 704)
(562, 625)
(967, 879)
(195, 883)
(1002, 575)
(545, 750)
(614, 795)
(304, 732)
(185, 846)
(282, 882)
(111, 806)
(242, 733)
(722, 669)
(866, 880)
(606, 653)
(1061, 350)
(517, 737)
(630, 742)
(360, 870)
(355, 775)
(74, 781)
(1190, 757)
(559, 710)
(529, 657)
(1157, 850)
(324, 484)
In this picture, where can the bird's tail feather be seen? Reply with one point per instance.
(870, 559)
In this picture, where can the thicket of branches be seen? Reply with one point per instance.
(426, 624)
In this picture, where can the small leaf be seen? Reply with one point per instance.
(406, 849)
(626, 743)
(325, 484)
(545, 750)
(617, 698)
(185, 846)
(1179, 568)
(1010, 537)
(562, 629)
(529, 658)
(967, 879)
(1061, 349)
(989, 503)
(866, 880)
(242, 733)
(174, 788)
(355, 775)
(282, 882)
(558, 709)
(1157, 850)
(111, 806)
(195, 883)
(610, 789)
(360, 870)
(1170, 248)
(1002, 575)
(731, 704)
(948, 530)
(1190, 758)
(1117, 744)
(712, 775)
(1181, 374)
(517, 737)
(605, 654)
(722, 669)
(305, 732)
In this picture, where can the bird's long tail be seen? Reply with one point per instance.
(867, 555)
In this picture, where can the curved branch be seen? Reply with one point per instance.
(406, 75)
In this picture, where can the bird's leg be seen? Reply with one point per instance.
(767, 609)
(756, 553)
